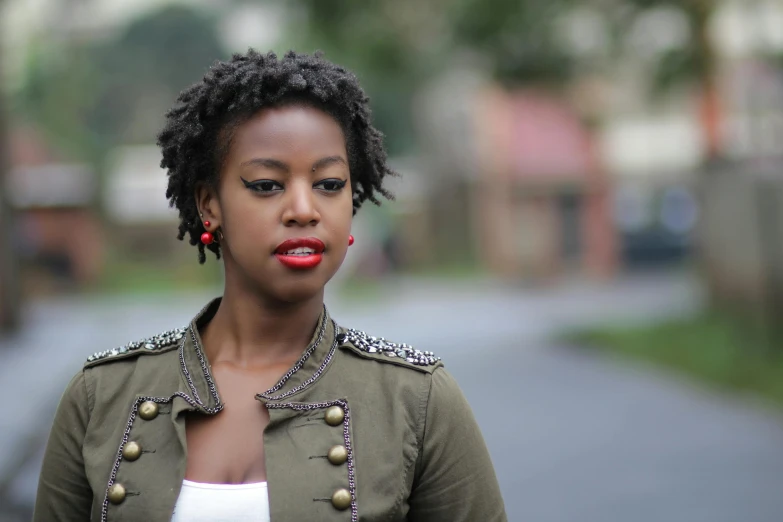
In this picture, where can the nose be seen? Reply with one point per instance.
(300, 208)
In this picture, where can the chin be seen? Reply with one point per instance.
(297, 290)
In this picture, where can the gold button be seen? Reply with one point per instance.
(337, 455)
(148, 410)
(341, 499)
(334, 416)
(117, 494)
(131, 451)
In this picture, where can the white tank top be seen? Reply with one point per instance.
(200, 502)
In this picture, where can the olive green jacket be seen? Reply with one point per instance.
(408, 447)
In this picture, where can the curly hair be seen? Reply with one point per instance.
(199, 129)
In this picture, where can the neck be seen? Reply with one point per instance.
(248, 329)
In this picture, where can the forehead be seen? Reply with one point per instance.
(291, 130)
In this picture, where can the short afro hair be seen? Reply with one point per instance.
(198, 130)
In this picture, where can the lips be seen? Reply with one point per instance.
(302, 253)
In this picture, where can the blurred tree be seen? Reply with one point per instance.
(93, 95)
(397, 46)
(526, 44)
(58, 97)
(98, 94)
(392, 46)
(694, 62)
(10, 304)
(142, 71)
(519, 38)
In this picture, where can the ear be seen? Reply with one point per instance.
(208, 204)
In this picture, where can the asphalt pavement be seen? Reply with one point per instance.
(574, 435)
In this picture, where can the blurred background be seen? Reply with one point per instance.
(588, 228)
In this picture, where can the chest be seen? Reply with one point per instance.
(286, 442)
(228, 448)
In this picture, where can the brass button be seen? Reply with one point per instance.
(341, 499)
(131, 451)
(334, 416)
(148, 410)
(337, 455)
(117, 494)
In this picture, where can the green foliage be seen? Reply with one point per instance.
(128, 271)
(59, 97)
(673, 68)
(717, 349)
(520, 37)
(397, 46)
(142, 278)
(144, 69)
(391, 48)
(90, 96)
(692, 63)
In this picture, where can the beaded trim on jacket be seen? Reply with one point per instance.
(380, 345)
(156, 342)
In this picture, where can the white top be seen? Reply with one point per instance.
(200, 502)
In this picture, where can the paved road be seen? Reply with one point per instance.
(574, 436)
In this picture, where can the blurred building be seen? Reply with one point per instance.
(143, 225)
(656, 130)
(742, 198)
(516, 180)
(650, 139)
(542, 199)
(59, 234)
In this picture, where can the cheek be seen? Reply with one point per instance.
(345, 213)
(250, 217)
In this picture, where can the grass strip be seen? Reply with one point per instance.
(716, 349)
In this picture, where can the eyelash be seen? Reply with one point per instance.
(339, 184)
(257, 185)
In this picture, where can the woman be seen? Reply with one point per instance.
(268, 159)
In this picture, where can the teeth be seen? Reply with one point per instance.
(301, 251)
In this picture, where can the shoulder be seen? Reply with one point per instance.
(157, 344)
(397, 354)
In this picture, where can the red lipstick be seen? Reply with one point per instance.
(302, 253)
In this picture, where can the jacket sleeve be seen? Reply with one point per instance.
(455, 480)
(64, 495)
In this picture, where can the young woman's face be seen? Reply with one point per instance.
(284, 203)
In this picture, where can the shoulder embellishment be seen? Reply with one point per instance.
(380, 345)
(153, 343)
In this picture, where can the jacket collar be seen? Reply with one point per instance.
(196, 374)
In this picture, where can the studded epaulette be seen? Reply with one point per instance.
(393, 351)
(151, 344)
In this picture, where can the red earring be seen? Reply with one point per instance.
(350, 240)
(206, 237)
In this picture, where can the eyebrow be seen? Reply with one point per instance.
(279, 165)
(327, 161)
(265, 162)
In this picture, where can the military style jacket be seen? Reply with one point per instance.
(360, 429)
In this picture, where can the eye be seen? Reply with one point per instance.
(330, 185)
(262, 186)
